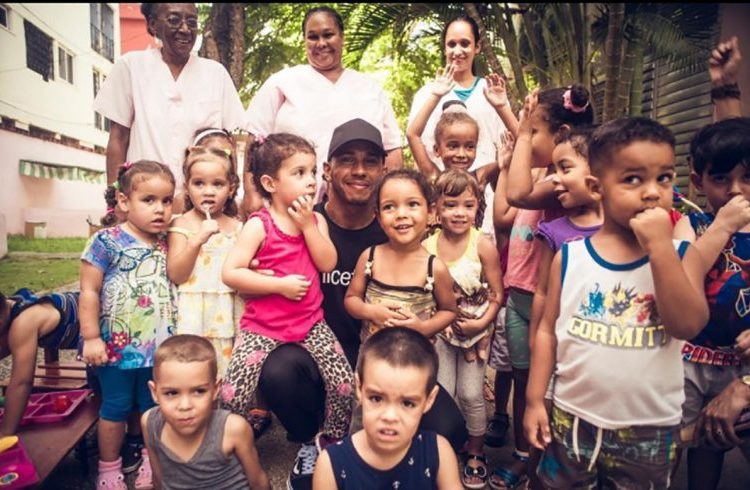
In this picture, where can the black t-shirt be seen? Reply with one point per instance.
(349, 246)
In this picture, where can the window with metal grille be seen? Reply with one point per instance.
(39, 51)
(102, 30)
(65, 64)
(100, 121)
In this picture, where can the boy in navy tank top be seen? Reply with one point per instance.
(396, 384)
(191, 444)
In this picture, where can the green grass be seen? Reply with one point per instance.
(19, 243)
(37, 274)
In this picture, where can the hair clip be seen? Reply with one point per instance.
(116, 185)
(260, 139)
(127, 165)
(110, 210)
(569, 105)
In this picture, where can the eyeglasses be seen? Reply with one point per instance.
(175, 21)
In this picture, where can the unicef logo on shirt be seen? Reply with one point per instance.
(336, 278)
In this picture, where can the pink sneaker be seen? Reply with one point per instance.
(111, 481)
(144, 480)
(110, 476)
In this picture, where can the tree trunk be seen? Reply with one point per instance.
(613, 59)
(537, 51)
(489, 54)
(508, 34)
(224, 39)
(625, 80)
(636, 89)
(586, 48)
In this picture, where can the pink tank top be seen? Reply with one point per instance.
(274, 315)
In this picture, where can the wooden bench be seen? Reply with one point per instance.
(48, 444)
(55, 375)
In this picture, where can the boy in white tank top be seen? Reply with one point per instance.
(619, 305)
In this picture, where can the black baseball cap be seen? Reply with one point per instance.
(355, 130)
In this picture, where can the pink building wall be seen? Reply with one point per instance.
(63, 204)
(133, 33)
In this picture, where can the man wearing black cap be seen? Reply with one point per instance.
(290, 382)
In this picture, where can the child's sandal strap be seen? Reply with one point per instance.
(480, 472)
(478, 457)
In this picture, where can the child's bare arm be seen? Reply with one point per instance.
(94, 349)
(683, 231)
(535, 420)
(723, 67)
(155, 465)
(446, 304)
(678, 290)
(540, 295)
(497, 96)
(447, 477)
(31, 324)
(318, 243)
(323, 478)
(321, 248)
(439, 87)
(241, 442)
(732, 217)
(183, 251)
(503, 214)
(355, 304)
(522, 190)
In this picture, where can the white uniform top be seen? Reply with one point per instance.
(163, 113)
(301, 101)
(491, 129)
(616, 366)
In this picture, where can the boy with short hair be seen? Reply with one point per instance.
(720, 167)
(27, 322)
(193, 445)
(618, 304)
(396, 383)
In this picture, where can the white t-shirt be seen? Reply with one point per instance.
(163, 113)
(616, 365)
(301, 101)
(491, 129)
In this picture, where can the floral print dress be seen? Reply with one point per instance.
(137, 299)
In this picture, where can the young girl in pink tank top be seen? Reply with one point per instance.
(291, 241)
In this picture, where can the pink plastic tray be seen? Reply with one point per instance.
(16, 468)
(41, 408)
